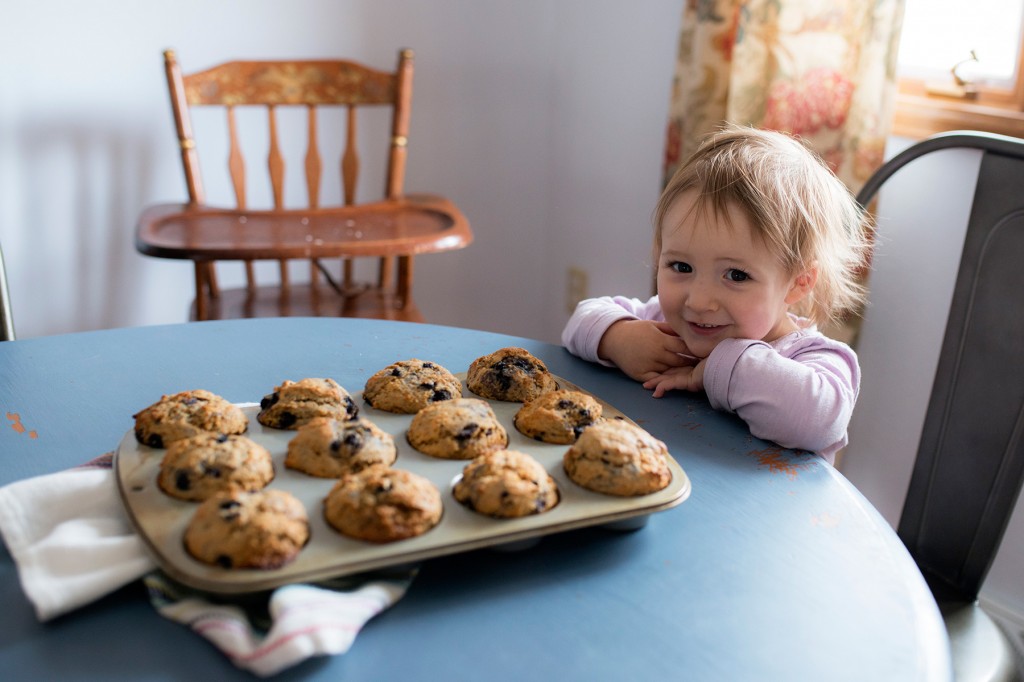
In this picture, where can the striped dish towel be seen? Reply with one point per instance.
(270, 632)
(73, 544)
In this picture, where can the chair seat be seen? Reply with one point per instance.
(981, 650)
(412, 224)
(305, 300)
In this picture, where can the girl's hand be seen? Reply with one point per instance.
(681, 378)
(643, 349)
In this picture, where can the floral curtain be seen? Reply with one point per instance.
(821, 69)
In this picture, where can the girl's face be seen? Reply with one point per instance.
(718, 280)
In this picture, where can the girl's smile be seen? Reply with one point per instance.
(705, 329)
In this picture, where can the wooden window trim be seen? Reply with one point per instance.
(920, 114)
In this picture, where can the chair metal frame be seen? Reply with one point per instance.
(969, 468)
(6, 316)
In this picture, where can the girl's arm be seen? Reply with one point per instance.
(800, 396)
(592, 317)
(625, 333)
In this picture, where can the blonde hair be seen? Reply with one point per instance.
(803, 213)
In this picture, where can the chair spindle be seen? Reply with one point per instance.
(314, 167)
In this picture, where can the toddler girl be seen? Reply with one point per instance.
(756, 242)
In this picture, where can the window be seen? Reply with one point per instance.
(982, 40)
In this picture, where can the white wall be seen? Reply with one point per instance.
(543, 120)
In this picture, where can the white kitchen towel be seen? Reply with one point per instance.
(72, 544)
(70, 538)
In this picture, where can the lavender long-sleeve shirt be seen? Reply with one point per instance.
(798, 391)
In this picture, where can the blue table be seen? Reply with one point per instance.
(775, 568)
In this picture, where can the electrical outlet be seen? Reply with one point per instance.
(576, 288)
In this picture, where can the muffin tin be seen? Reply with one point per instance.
(161, 520)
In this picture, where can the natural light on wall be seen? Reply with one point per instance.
(937, 34)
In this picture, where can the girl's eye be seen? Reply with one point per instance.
(734, 275)
(679, 266)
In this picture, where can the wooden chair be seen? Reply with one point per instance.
(6, 318)
(969, 468)
(391, 230)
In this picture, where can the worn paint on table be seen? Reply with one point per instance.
(776, 460)
(18, 427)
(825, 520)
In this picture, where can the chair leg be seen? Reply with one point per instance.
(6, 317)
(211, 280)
(404, 281)
(385, 273)
(201, 290)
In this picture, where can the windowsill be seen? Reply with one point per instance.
(919, 116)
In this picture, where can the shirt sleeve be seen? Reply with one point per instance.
(800, 396)
(592, 317)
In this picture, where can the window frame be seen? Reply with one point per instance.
(920, 114)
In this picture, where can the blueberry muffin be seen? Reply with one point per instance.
(295, 403)
(506, 484)
(463, 428)
(408, 386)
(557, 416)
(199, 467)
(510, 374)
(381, 504)
(265, 529)
(186, 414)
(616, 457)
(328, 448)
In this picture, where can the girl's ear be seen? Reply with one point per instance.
(802, 284)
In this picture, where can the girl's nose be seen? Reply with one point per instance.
(700, 297)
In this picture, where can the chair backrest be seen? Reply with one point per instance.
(311, 84)
(970, 461)
(6, 318)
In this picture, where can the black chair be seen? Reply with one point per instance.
(970, 460)
(6, 319)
